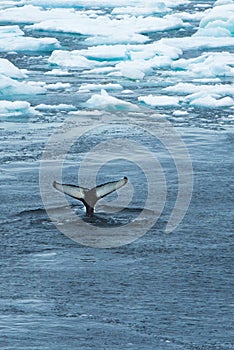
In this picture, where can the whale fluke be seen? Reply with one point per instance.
(90, 197)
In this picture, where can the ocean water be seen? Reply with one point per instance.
(163, 290)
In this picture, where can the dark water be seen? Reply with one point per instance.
(163, 291)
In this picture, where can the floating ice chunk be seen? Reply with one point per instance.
(136, 69)
(9, 87)
(16, 109)
(58, 86)
(106, 52)
(98, 3)
(110, 103)
(152, 51)
(28, 44)
(10, 70)
(127, 91)
(93, 87)
(213, 32)
(206, 80)
(211, 102)
(117, 38)
(188, 88)
(137, 60)
(9, 31)
(133, 69)
(208, 65)
(12, 39)
(58, 72)
(223, 2)
(220, 20)
(158, 100)
(71, 59)
(198, 42)
(62, 107)
(179, 113)
(150, 25)
(105, 26)
(22, 14)
(32, 14)
(160, 62)
(148, 9)
(186, 16)
(204, 95)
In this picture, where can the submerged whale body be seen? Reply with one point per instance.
(90, 197)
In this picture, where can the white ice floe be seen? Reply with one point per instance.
(9, 87)
(12, 39)
(147, 8)
(135, 60)
(58, 86)
(159, 100)
(99, 3)
(135, 70)
(72, 59)
(127, 91)
(95, 87)
(117, 38)
(189, 88)
(81, 23)
(104, 101)
(179, 113)
(30, 14)
(58, 72)
(198, 42)
(209, 101)
(217, 95)
(10, 31)
(10, 70)
(218, 22)
(215, 64)
(61, 107)
(223, 2)
(16, 109)
(103, 28)
(106, 52)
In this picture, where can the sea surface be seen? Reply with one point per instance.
(162, 291)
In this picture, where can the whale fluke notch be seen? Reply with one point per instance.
(90, 197)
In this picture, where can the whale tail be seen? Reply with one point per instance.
(90, 197)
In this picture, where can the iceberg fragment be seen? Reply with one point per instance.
(159, 100)
(10, 70)
(215, 64)
(92, 87)
(219, 21)
(104, 101)
(12, 39)
(211, 96)
(212, 102)
(72, 59)
(61, 107)
(16, 109)
(9, 87)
